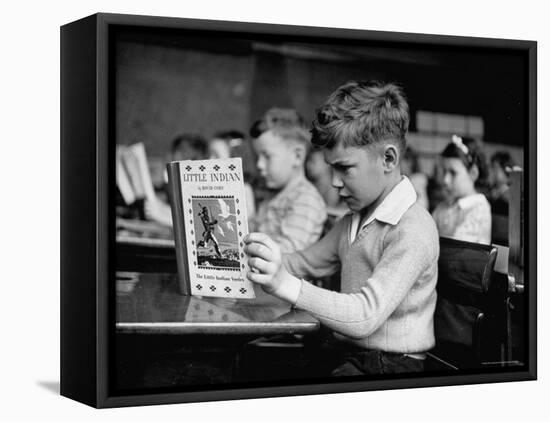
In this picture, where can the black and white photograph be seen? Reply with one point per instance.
(386, 187)
(259, 212)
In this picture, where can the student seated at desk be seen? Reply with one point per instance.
(386, 249)
(466, 214)
(294, 217)
(499, 195)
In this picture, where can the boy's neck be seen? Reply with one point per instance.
(297, 173)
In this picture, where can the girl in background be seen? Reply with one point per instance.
(466, 213)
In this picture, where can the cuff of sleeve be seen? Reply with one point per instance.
(290, 289)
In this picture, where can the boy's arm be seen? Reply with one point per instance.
(406, 256)
(320, 259)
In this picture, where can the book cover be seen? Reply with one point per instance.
(210, 222)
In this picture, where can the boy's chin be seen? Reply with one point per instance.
(273, 185)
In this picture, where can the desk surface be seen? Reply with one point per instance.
(150, 303)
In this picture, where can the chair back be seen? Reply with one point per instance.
(464, 282)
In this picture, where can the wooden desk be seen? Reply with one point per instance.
(144, 246)
(150, 303)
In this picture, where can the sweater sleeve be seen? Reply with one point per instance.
(406, 255)
(321, 259)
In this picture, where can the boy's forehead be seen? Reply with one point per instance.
(269, 140)
(341, 153)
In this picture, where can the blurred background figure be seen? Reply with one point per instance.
(501, 166)
(230, 144)
(466, 213)
(295, 213)
(435, 190)
(411, 169)
(187, 146)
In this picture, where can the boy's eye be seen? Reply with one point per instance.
(341, 168)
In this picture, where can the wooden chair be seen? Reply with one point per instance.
(471, 318)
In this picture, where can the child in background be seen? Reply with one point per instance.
(295, 215)
(465, 214)
(386, 250)
(501, 166)
(187, 146)
(411, 169)
(227, 144)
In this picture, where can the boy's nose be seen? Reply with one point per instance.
(260, 164)
(336, 181)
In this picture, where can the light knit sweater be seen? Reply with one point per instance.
(388, 276)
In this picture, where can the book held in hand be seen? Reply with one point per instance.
(208, 204)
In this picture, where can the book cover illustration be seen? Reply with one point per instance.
(210, 227)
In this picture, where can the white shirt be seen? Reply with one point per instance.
(467, 219)
(391, 209)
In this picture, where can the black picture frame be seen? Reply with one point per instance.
(87, 217)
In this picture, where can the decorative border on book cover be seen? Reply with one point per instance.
(215, 223)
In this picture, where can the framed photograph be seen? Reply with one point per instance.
(455, 119)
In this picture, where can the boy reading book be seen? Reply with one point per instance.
(386, 249)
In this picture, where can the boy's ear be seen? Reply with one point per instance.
(390, 157)
(474, 172)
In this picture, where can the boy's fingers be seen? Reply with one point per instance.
(259, 250)
(258, 278)
(262, 238)
(260, 265)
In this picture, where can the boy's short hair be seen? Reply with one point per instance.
(362, 113)
(283, 122)
(194, 144)
(230, 136)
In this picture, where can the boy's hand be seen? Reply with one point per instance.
(268, 269)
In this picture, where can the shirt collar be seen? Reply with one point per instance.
(470, 200)
(392, 208)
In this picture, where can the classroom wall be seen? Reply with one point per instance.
(162, 92)
(164, 89)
